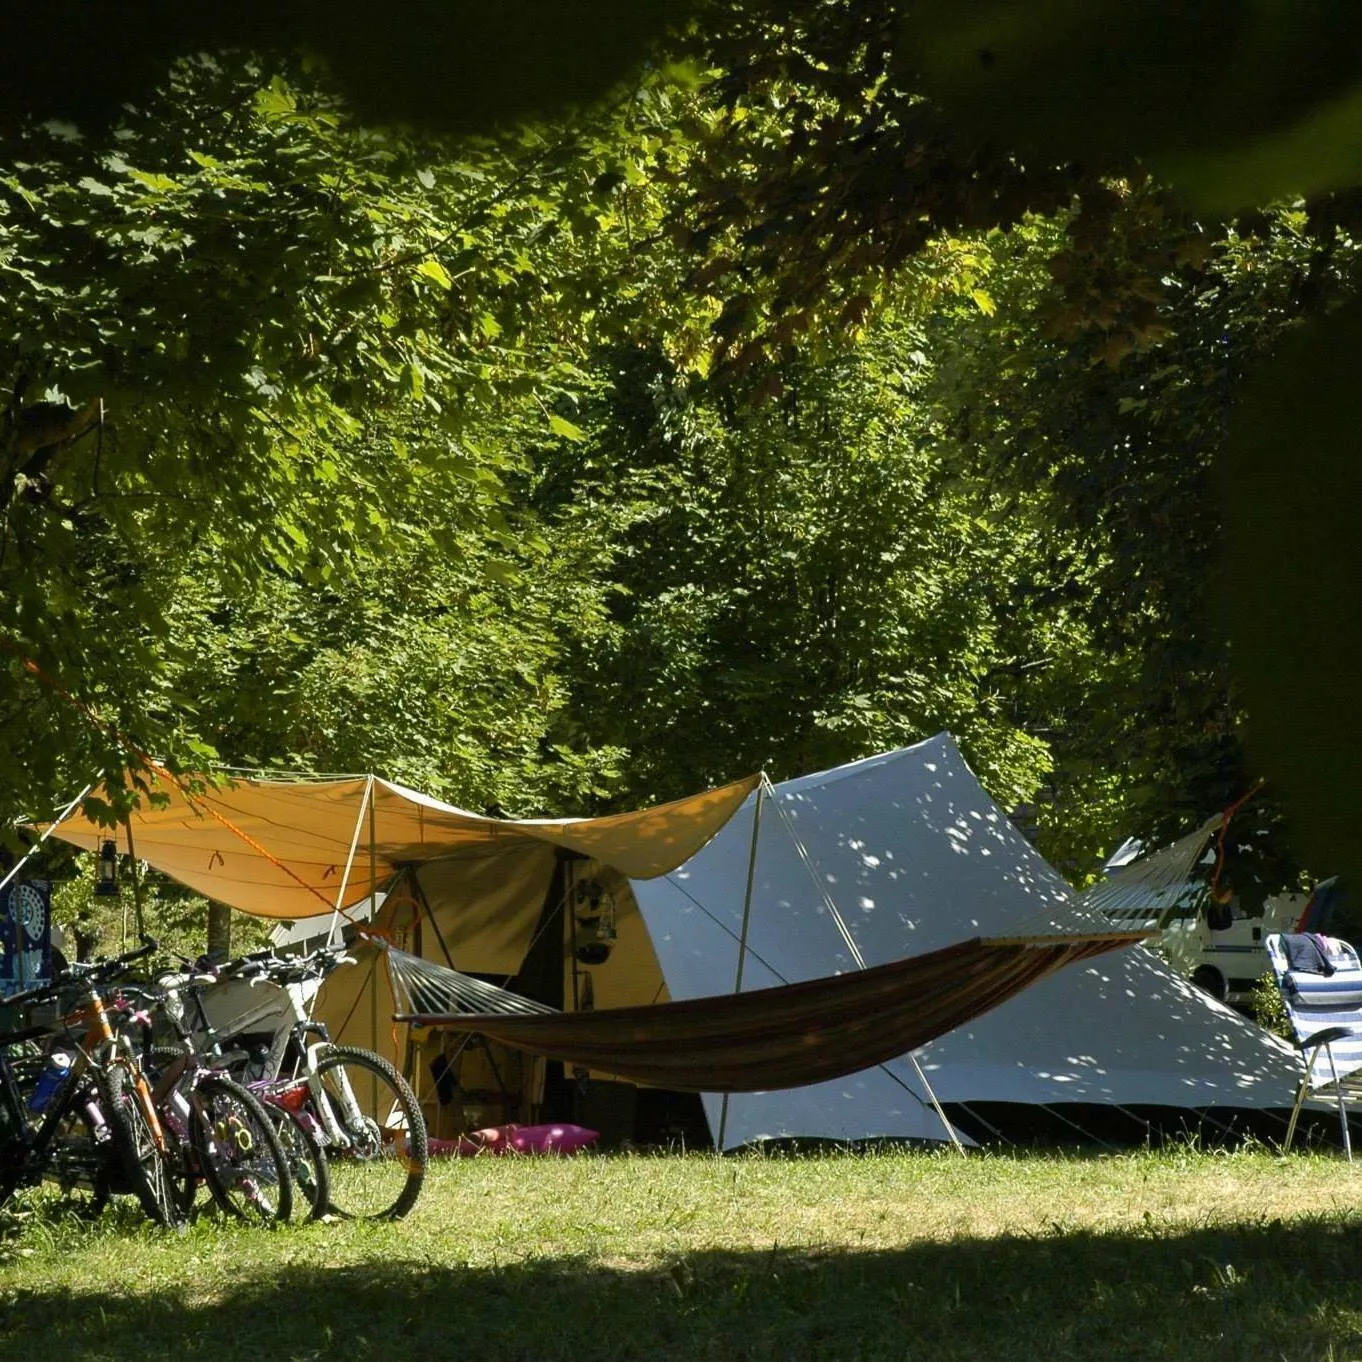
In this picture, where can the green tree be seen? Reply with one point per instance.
(1117, 443)
(247, 338)
(797, 583)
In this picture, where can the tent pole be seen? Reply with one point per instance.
(936, 1103)
(345, 880)
(751, 880)
(762, 787)
(365, 806)
(56, 823)
(373, 851)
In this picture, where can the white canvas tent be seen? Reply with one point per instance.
(888, 857)
(915, 855)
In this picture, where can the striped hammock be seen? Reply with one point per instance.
(1158, 887)
(783, 1037)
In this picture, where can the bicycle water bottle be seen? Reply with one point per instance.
(51, 1078)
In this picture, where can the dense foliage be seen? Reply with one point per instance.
(755, 418)
(248, 347)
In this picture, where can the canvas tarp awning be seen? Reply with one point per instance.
(298, 849)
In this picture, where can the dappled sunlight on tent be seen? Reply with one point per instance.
(915, 856)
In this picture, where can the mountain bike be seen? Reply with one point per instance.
(365, 1113)
(222, 1136)
(192, 1079)
(87, 1120)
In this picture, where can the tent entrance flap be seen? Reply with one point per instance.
(793, 1034)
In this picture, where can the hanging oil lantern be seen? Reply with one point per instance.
(106, 870)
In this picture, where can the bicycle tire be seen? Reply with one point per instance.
(184, 1160)
(148, 1171)
(238, 1152)
(379, 1162)
(307, 1160)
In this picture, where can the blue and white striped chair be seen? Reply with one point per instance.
(1326, 1018)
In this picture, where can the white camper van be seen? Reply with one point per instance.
(1228, 960)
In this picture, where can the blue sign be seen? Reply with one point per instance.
(25, 935)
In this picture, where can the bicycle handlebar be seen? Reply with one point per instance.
(262, 965)
(29, 995)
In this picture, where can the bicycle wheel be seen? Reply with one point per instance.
(238, 1154)
(72, 1159)
(307, 1162)
(375, 1134)
(140, 1165)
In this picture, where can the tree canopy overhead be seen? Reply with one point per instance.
(246, 337)
(849, 371)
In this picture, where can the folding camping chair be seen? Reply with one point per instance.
(1326, 1017)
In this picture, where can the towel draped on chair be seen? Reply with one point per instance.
(1307, 952)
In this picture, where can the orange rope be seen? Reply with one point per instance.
(84, 707)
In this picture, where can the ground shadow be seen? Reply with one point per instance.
(1273, 1291)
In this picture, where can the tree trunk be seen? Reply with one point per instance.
(219, 931)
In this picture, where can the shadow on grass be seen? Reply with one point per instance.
(1275, 1291)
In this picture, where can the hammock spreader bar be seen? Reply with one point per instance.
(794, 1034)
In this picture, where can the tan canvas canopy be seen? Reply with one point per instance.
(294, 849)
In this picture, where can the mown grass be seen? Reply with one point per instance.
(1176, 1254)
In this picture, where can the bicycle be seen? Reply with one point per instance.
(89, 1122)
(369, 1121)
(194, 1074)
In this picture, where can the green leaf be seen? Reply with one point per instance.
(432, 269)
(275, 102)
(566, 429)
(160, 183)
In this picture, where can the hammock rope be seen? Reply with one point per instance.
(1153, 890)
(424, 986)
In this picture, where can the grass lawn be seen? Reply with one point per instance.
(1177, 1254)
